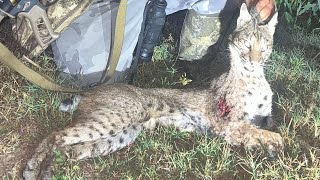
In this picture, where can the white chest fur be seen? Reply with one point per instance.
(257, 100)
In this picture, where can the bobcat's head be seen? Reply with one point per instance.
(251, 42)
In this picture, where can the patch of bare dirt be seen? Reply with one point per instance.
(17, 146)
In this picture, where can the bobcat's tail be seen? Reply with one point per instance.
(38, 167)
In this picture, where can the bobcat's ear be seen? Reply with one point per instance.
(273, 22)
(244, 15)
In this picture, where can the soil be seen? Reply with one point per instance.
(17, 158)
(7, 37)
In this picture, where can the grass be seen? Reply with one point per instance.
(302, 12)
(171, 155)
(27, 113)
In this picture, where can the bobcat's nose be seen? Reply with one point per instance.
(255, 56)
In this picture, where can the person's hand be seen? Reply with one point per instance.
(266, 8)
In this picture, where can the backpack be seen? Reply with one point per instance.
(64, 16)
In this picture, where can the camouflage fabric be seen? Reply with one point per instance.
(198, 33)
(61, 14)
(201, 27)
(83, 49)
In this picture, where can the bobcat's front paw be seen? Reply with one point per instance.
(263, 138)
(252, 137)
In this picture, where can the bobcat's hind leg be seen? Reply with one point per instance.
(41, 159)
(106, 145)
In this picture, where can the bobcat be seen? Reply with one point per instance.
(236, 107)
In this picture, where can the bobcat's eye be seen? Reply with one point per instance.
(247, 44)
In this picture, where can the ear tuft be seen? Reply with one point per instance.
(273, 22)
